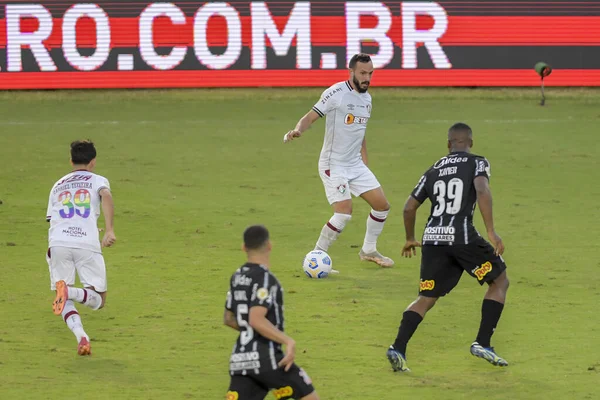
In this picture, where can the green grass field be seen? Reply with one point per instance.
(190, 170)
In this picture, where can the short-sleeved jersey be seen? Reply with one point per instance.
(73, 210)
(254, 285)
(346, 115)
(449, 185)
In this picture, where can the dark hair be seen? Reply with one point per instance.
(360, 57)
(460, 127)
(255, 237)
(82, 152)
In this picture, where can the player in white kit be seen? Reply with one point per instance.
(343, 161)
(74, 206)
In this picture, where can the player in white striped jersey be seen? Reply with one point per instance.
(343, 160)
(73, 239)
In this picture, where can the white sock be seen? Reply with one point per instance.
(331, 230)
(375, 222)
(71, 317)
(87, 297)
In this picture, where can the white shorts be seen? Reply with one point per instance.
(341, 183)
(63, 262)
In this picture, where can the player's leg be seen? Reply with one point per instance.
(62, 272)
(439, 275)
(92, 274)
(365, 184)
(490, 269)
(244, 387)
(339, 197)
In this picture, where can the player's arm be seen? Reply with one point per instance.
(230, 320)
(484, 201)
(363, 152)
(410, 217)
(259, 322)
(108, 209)
(303, 124)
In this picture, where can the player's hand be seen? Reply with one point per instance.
(290, 353)
(109, 239)
(291, 135)
(410, 248)
(496, 242)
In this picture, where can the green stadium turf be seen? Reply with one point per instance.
(191, 169)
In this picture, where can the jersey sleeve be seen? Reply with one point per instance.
(261, 291)
(229, 301)
(49, 209)
(420, 191)
(102, 183)
(482, 168)
(329, 101)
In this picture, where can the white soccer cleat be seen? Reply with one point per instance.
(377, 258)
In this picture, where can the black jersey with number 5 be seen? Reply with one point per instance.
(448, 184)
(254, 285)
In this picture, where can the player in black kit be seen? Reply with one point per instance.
(254, 307)
(451, 244)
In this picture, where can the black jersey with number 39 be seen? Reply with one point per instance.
(448, 184)
(253, 285)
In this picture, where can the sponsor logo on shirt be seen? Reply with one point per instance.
(439, 233)
(353, 119)
(449, 160)
(242, 361)
(242, 280)
(426, 285)
(482, 271)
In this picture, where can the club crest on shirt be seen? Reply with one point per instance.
(369, 109)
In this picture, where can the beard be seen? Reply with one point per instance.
(360, 88)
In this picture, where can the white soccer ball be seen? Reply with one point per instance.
(317, 264)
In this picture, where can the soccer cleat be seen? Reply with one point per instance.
(377, 258)
(397, 360)
(488, 354)
(62, 295)
(84, 348)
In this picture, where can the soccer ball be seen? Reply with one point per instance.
(317, 264)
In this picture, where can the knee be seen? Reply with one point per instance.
(501, 283)
(422, 304)
(385, 206)
(344, 207)
(103, 297)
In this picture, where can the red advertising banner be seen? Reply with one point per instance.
(139, 44)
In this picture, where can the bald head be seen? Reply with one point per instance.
(460, 137)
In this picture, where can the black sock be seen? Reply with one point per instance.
(408, 326)
(490, 315)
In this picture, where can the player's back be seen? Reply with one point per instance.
(74, 206)
(449, 185)
(250, 286)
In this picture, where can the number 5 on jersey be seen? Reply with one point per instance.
(247, 332)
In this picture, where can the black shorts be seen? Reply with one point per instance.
(293, 384)
(442, 266)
